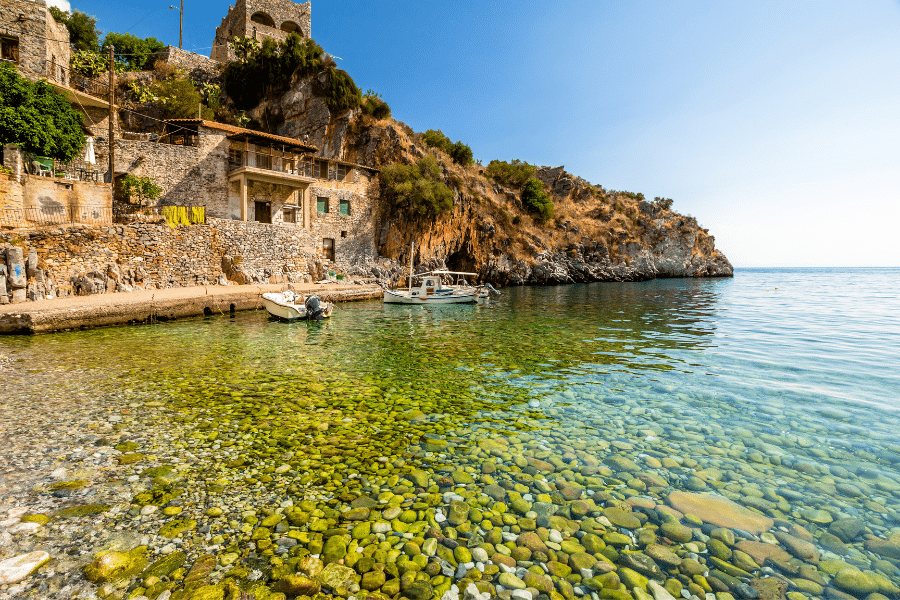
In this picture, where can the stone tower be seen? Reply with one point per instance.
(261, 19)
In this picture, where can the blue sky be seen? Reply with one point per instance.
(775, 123)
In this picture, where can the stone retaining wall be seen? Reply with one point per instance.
(198, 67)
(83, 260)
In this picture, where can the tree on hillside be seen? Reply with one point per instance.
(536, 200)
(37, 119)
(416, 190)
(82, 28)
(132, 50)
(460, 153)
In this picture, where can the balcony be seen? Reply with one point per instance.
(77, 88)
(276, 167)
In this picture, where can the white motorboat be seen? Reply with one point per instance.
(432, 290)
(292, 307)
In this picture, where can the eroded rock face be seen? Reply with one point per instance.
(636, 240)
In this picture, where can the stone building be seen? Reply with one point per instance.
(32, 39)
(261, 19)
(245, 175)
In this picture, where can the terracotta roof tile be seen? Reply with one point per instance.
(232, 129)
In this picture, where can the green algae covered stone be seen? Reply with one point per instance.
(113, 566)
(176, 527)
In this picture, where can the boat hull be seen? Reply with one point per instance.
(277, 307)
(403, 297)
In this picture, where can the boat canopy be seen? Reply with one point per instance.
(446, 273)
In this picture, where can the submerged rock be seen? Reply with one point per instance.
(17, 568)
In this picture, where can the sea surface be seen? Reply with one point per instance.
(249, 443)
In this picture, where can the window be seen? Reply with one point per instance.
(288, 215)
(343, 234)
(322, 205)
(321, 170)
(345, 207)
(9, 49)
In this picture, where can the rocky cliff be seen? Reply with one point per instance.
(596, 235)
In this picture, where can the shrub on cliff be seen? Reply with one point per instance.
(460, 153)
(37, 119)
(665, 203)
(536, 200)
(179, 99)
(341, 92)
(373, 105)
(269, 67)
(514, 173)
(416, 190)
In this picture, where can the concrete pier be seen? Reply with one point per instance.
(149, 306)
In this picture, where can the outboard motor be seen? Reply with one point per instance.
(491, 289)
(314, 308)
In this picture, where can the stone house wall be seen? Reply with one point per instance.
(353, 234)
(30, 200)
(275, 20)
(31, 32)
(12, 199)
(58, 50)
(96, 121)
(188, 175)
(48, 194)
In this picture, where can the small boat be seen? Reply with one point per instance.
(432, 290)
(292, 307)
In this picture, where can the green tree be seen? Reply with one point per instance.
(131, 50)
(141, 188)
(416, 190)
(82, 28)
(37, 119)
(90, 64)
(536, 200)
(461, 154)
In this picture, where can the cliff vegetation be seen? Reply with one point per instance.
(510, 221)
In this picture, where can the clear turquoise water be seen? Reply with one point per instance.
(781, 384)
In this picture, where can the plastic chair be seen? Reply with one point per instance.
(42, 168)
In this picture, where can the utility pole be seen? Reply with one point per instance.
(112, 120)
(180, 23)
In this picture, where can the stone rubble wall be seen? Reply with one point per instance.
(199, 68)
(82, 260)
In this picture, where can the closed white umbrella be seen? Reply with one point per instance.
(89, 157)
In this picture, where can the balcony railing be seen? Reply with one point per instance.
(280, 164)
(77, 170)
(72, 79)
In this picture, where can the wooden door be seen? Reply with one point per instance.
(263, 212)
